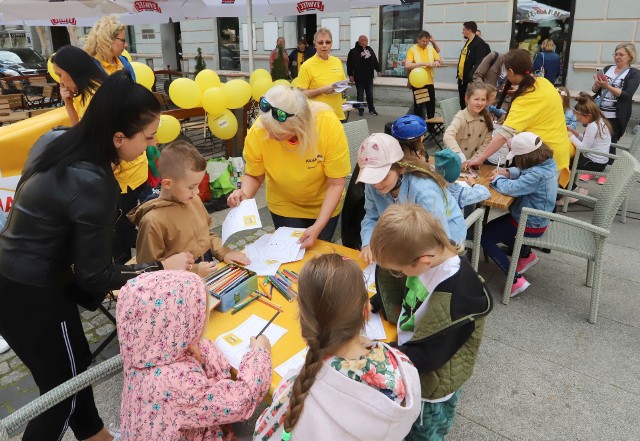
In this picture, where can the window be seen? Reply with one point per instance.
(148, 34)
(228, 47)
(534, 22)
(400, 25)
(131, 39)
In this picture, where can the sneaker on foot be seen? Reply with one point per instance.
(4, 346)
(519, 286)
(586, 177)
(524, 263)
(601, 180)
(360, 112)
(373, 112)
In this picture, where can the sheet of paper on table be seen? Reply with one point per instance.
(339, 86)
(292, 364)
(464, 184)
(283, 245)
(374, 329)
(370, 277)
(235, 343)
(261, 263)
(243, 217)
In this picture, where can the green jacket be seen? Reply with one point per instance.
(445, 344)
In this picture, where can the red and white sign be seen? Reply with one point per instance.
(310, 6)
(147, 6)
(7, 192)
(63, 22)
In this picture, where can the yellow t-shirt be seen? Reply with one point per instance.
(426, 55)
(316, 73)
(540, 111)
(300, 59)
(296, 183)
(463, 58)
(130, 174)
(80, 106)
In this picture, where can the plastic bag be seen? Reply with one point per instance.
(219, 170)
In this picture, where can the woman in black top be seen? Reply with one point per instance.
(55, 250)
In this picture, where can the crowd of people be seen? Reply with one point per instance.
(67, 248)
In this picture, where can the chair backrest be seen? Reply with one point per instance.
(449, 108)
(38, 81)
(162, 99)
(634, 147)
(623, 175)
(356, 132)
(14, 99)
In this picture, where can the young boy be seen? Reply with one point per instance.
(439, 304)
(177, 219)
(449, 166)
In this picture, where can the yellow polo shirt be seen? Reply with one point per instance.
(540, 111)
(130, 174)
(316, 73)
(463, 58)
(297, 182)
(426, 55)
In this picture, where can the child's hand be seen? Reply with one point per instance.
(179, 262)
(195, 351)
(237, 257)
(366, 255)
(470, 180)
(206, 268)
(501, 172)
(260, 342)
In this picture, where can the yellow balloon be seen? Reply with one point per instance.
(418, 78)
(238, 93)
(168, 130)
(259, 73)
(225, 126)
(294, 82)
(55, 77)
(281, 83)
(144, 74)
(206, 79)
(214, 101)
(127, 55)
(259, 87)
(185, 93)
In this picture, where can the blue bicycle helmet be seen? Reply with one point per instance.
(408, 127)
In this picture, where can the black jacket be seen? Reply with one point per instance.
(476, 51)
(359, 66)
(59, 231)
(293, 59)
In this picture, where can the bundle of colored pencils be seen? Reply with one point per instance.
(226, 279)
(284, 285)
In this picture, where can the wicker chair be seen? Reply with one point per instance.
(633, 148)
(449, 108)
(356, 132)
(579, 238)
(58, 394)
(475, 220)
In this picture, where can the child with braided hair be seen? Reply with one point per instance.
(391, 176)
(349, 388)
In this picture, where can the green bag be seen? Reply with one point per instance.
(219, 170)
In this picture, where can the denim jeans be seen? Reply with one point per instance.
(297, 222)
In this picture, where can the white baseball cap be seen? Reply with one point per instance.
(523, 143)
(377, 153)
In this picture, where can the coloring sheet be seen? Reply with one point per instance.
(292, 364)
(283, 245)
(374, 329)
(370, 277)
(243, 217)
(235, 343)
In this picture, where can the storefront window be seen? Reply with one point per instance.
(228, 43)
(400, 25)
(535, 22)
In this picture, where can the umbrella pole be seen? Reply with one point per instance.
(250, 32)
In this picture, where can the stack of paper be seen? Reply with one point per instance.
(272, 250)
(340, 86)
(234, 344)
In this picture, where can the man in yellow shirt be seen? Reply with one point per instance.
(425, 55)
(298, 56)
(320, 72)
(471, 55)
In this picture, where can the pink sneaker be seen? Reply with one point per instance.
(601, 180)
(519, 286)
(586, 177)
(524, 263)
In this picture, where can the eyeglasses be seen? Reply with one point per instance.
(278, 114)
(321, 43)
(619, 54)
(121, 39)
(399, 274)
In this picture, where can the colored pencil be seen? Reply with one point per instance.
(268, 323)
(271, 304)
(242, 305)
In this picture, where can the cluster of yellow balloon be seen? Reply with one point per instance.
(168, 130)
(418, 77)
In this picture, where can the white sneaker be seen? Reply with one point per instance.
(4, 346)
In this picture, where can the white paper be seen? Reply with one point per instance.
(235, 343)
(339, 86)
(464, 184)
(243, 217)
(256, 252)
(374, 329)
(370, 277)
(283, 245)
(292, 364)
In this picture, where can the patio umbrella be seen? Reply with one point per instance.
(18, 11)
(535, 12)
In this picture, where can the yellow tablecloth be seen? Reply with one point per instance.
(291, 343)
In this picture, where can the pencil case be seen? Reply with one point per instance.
(236, 292)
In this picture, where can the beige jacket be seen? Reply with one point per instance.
(467, 135)
(167, 227)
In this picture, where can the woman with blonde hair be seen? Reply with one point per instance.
(105, 43)
(349, 387)
(300, 148)
(547, 62)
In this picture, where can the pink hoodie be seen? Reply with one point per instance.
(167, 394)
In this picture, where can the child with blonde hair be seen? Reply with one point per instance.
(177, 384)
(439, 304)
(569, 117)
(349, 387)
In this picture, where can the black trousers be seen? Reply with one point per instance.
(462, 90)
(125, 232)
(365, 86)
(426, 110)
(298, 222)
(43, 327)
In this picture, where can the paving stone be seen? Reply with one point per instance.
(15, 362)
(105, 330)
(86, 315)
(7, 355)
(87, 326)
(4, 368)
(13, 376)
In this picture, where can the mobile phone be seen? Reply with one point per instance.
(600, 74)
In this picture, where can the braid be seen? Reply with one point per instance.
(488, 119)
(302, 384)
(424, 173)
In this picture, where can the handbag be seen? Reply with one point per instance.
(540, 72)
